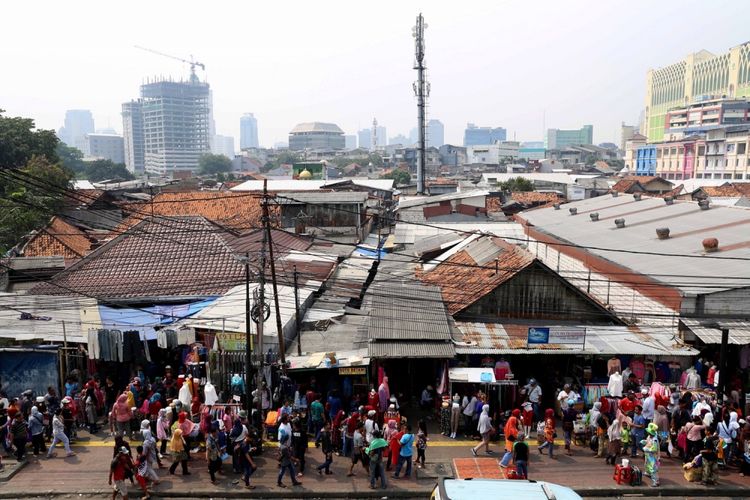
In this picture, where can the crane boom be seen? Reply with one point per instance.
(192, 62)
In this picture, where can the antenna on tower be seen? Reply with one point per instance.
(422, 91)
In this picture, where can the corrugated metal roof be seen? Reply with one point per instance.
(407, 311)
(409, 234)
(277, 185)
(705, 329)
(321, 197)
(506, 338)
(79, 314)
(411, 350)
(407, 202)
(688, 225)
(436, 242)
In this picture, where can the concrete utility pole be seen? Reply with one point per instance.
(296, 314)
(248, 349)
(279, 329)
(723, 375)
(422, 91)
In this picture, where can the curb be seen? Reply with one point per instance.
(8, 474)
(665, 491)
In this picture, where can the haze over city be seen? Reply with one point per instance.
(520, 65)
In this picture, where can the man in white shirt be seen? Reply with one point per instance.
(534, 392)
(562, 397)
(468, 405)
(649, 406)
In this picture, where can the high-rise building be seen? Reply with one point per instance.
(248, 131)
(316, 135)
(104, 146)
(558, 139)
(400, 139)
(364, 138)
(482, 136)
(223, 145)
(350, 142)
(176, 125)
(132, 133)
(78, 123)
(435, 134)
(626, 133)
(700, 75)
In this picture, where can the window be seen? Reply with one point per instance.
(658, 153)
(727, 176)
(730, 147)
(701, 150)
(699, 176)
(741, 147)
(738, 176)
(674, 151)
(681, 150)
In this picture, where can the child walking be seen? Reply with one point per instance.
(421, 443)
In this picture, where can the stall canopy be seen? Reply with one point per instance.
(330, 359)
(506, 338)
(709, 330)
(472, 375)
(146, 319)
(41, 317)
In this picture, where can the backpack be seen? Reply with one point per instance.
(636, 476)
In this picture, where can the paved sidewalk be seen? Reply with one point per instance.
(86, 474)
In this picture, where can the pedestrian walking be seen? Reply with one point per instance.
(651, 452)
(36, 429)
(58, 435)
(569, 417)
(326, 446)
(485, 428)
(212, 453)
(178, 447)
(521, 456)
(121, 413)
(358, 447)
(163, 430)
(246, 461)
(467, 410)
(375, 454)
(421, 443)
(405, 455)
(120, 468)
(143, 472)
(286, 462)
(19, 429)
(549, 432)
(299, 444)
(614, 434)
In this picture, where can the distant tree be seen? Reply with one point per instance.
(71, 158)
(29, 198)
(517, 184)
(100, 170)
(20, 140)
(210, 164)
(400, 177)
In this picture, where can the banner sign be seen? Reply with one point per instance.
(353, 370)
(232, 341)
(557, 335)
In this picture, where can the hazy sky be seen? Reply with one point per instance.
(498, 63)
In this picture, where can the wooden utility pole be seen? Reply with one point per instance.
(296, 314)
(279, 329)
(248, 349)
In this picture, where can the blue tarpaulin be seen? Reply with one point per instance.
(145, 319)
(22, 369)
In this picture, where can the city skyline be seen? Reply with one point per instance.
(604, 88)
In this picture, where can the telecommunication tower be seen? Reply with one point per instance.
(422, 91)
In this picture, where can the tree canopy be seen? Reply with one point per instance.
(517, 184)
(20, 140)
(401, 177)
(71, 158)
(211, 164)
(100, 170)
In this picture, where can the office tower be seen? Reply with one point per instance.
(316, 135)
(558, 139)
(350, 142)
(223, 145)
(176, 125)
(78, 123)
(364, 138)
(132, 133)
(248, 131)
(435, 134)
(482, 136)
(105, 146)
(699, 76)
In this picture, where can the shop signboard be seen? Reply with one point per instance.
(557, 335)
(232, 341)
(353, 370)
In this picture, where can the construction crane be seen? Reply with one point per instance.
(193, 63)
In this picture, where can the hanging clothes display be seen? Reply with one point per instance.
(209, 392)
(613, 366)
(615, 385)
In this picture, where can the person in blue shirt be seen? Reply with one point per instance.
(637, 430)
(334, 404)
(407, 442)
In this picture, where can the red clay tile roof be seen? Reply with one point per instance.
(493, 204)
(463, 280)
(58, 238)
(735, 190)
(185, 256)
(237, 211)
(625, 185)
(533, 197)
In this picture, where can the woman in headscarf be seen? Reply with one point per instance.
(485, 428)
(179, 452)
(728, 430)
(189, 429)
(121, 414)
(162, 430)
(661, 419)
(154, 405)
(614, 433)
(549, 432)
(236, 439)
(338, 422)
